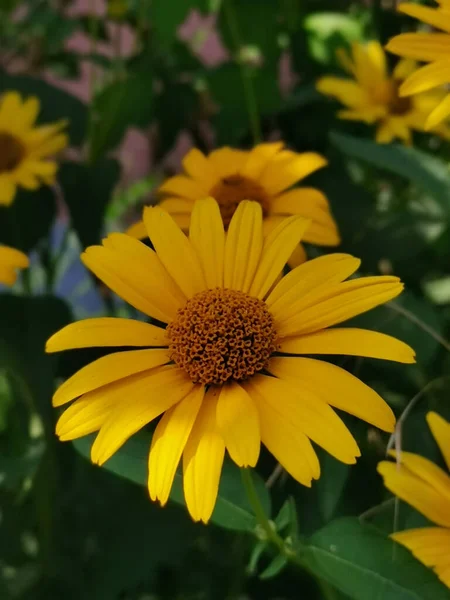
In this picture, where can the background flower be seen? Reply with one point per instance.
(11, 260)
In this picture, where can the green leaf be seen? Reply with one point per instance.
(166, 20)
(28, 219)
(5, 401)
(426, 171)
(87, 191)
(232, 510)
(275, 567)
(328, 31)
(366, 565)
(334, 476)
(118, 106)
(55, 103)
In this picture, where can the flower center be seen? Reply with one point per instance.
(399, 105)
(222, 334)
(230, 191)
(11, 152)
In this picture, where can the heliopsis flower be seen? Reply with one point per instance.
(372, 94)
(224, 370)
(433, 48)
(11, 260)
(24, 148)
(265, 175)
(426, 487)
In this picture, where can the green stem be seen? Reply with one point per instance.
(246, 76)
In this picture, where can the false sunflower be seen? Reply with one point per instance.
(24, 148)
(11, 260)
(426, 487)
(224, 372)
(433, 48)
(372, 94)
(266, 174)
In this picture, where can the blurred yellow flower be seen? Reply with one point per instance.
(433, 48)
(24, 148)
(266, 175)
(372, 95)
(426, 487)
(219, 372)
(11, 260)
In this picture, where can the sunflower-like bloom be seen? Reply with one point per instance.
(372, 94)
(24, 148)
(11, 260)
(433, 48)
(426, 487)
(265, 175)
(225, 371)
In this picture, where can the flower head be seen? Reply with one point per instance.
(372, 94)
(25, 148)
(265, 175)
(433, 48)
(225, 372)
(426, 487)
(11, 260)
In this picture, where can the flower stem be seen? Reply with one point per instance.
(246, 76)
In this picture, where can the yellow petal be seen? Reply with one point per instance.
(199, 168)
(348, 92)
(238, 422)
(321, 272)
(404, 68)
(336, 387)
(431, 16)
(339, 303)
(184, 187)
(441, 112)
(147, 395)
(429, 544)
(313, 416)
(107, 369)
(258, 159)
(349, 341)
(421, 496)
(30, 111)
(177, 205)
(277, 249)
(207, 237)
(426, 47)
(288, 168)
(227, 161)
(168, 443)
(106, 331)
(426, 78)
(243, 246)
(440, 429)
(11, 260)
(384, 133)
(297, 258)
(8, 190)
(137, 230)
(175, 251)
(425, 470)
(202, 461)
(129, 279)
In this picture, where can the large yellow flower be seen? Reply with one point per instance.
(265, 174)
(24, 148)
(11, 260)
(426, 487)
(372, 95)
(433, 48)
(219, 372)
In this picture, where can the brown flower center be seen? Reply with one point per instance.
(11, 152)
(399, 105)
(230, 191)
(222, 334)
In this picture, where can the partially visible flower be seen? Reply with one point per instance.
(11, 260)
(433, 48)
(266, 175)
(372, 94)
(24, 148)
(224, 372)
(426, 487)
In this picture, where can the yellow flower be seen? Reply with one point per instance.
(219, 372)
(266, 175)
(433, 48)
(10, 260)
(426, 487)
(24, 148)
(372, 95)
